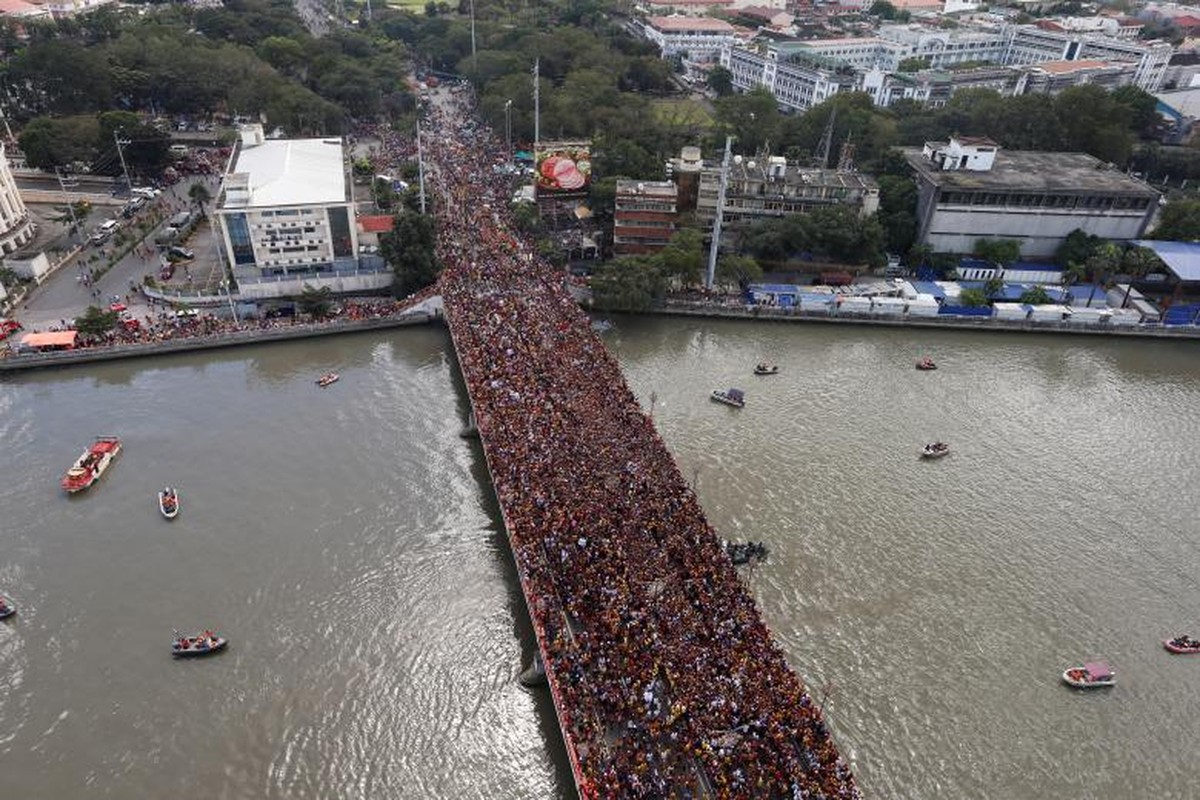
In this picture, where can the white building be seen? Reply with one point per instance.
(699, 39)
(16, 228)
(969, 189)
(287, 218)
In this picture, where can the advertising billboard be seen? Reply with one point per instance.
(563, 168)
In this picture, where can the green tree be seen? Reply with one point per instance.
(1137, 262)
(882, 9)
(736, 270)
(1101, 264)
(898, 211)
(1036, 296)
(720, 80)
(315, 302)
(1074, 273)
(199, 195)
(1077, 247)
(95, 321)
(993, 287)
(632, 283)
(1179, 220)
(973, 298)
(409, 248)
(683, 259)
(1000, 252)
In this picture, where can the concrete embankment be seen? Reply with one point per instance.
(942, 323)
(68, 358)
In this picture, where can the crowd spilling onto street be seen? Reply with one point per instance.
(668, 683)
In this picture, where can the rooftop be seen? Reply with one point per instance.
(1182, 258)
(679, 24)
(1033, 171)
(647, 188)
(289, 172)
(1066, 67)
(377, 223)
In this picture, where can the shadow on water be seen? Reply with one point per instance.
(522, 627)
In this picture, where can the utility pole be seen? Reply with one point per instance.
(508, 128)
(474, 55)
(537, 108)
(70, 206)
(121, 155)
(420, 165)
(720, 218)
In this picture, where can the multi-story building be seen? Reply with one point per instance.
(16, 227)
(773, 188)
(287, 218)
(798, 81)
(1030, 44)
(698, 39)
(644, 216)
(970, 189)
(802, 74)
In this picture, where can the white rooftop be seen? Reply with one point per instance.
(289, 172)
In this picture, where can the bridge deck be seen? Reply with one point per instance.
(665, 679)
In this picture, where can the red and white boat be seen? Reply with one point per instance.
(88, 468)
(1182, 645)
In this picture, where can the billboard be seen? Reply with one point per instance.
(563, 168)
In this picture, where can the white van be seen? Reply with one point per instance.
(179, 149)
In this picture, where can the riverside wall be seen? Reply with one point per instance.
(764, 314)
(87, 355)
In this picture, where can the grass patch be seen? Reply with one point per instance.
(416, 6)
(683, 111)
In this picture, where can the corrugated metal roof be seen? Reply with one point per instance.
(1182, 258)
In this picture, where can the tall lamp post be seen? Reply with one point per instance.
(229, 297)
(508, 128)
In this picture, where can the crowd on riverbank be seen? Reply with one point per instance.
(174, 324)
(668, 681)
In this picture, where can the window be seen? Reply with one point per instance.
(239, 238)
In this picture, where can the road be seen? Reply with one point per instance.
(63, 296)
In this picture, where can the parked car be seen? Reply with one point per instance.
(180, 254)
(8, 327)
(118, 306)
(166, 270)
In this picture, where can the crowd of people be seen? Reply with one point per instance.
(667, 682)
(171, 324)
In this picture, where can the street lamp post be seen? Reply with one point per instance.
(508, 127)
(229, 297)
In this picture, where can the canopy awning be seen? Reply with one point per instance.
(50, 339)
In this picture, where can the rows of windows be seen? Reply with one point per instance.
(1019, 200)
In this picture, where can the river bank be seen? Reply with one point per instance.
(694, 309)
(63, 358)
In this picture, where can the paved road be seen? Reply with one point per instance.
(64, 296)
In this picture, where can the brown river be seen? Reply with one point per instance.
(347, 542)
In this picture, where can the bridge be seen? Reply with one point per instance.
(665, 680)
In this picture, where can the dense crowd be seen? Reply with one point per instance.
(668, 682)
(173, 324)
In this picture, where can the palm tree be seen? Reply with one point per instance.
(1102, 263)
(200, 195)
(1137, 261)
(1071, 276)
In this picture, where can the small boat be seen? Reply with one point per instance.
(328, 379)
(7, 607)
(88, 468)
(926, 364)
(199, 645)
(1182, 645)
(168, 503)
(1092, 675)
(745, 552)
(730, 397)
(766, 369)
(935, 450)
